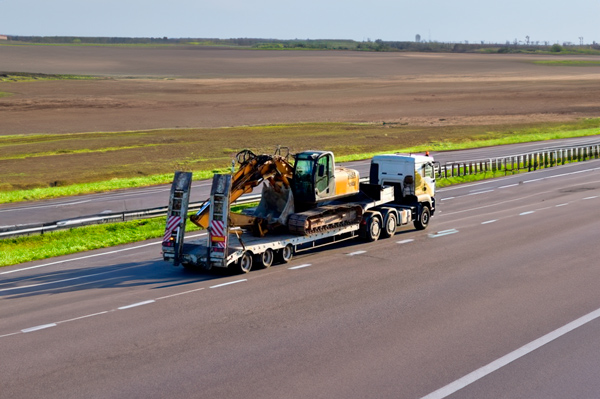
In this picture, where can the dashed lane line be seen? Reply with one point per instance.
(37, 328)
(356, 253)
(443, 233)
(135, 305)
(229, 283)
(405, 241)
(526, 213)
(300, 266)
(489, 221)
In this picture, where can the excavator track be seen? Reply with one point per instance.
(324, 218)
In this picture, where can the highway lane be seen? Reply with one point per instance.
(503, 263)
(150, 197)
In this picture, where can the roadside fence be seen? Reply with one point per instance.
(515, 163)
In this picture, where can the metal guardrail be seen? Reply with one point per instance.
(530, 161)
(41, 228)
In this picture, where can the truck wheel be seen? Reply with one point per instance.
(286, 253)
(390, 222)
(244, 264)
(423, 220)
(373, 228)
(266, 258)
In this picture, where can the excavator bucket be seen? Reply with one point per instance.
(276, 205)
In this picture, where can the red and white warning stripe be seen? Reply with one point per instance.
(217, 228)
(173, 222)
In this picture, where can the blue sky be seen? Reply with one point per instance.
(438, 20)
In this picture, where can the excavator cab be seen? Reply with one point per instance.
(313, 178)
(317, 179)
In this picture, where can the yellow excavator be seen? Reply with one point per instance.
(295, 196)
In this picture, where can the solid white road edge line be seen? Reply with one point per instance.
(229, 283)
(133, 305)
(512, 356)
(92, 256)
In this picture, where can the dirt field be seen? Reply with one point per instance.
(198, 87)
(192, 87)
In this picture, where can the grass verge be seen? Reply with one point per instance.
(568, 63)
(84, 156)
(26, 249)
(32, 77)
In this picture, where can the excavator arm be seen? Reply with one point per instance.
(253, 170)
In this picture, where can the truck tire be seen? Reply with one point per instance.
(244, 263)
(390, 222)
(285, 254)
(423, 220)
(266, 258)
(372, 228)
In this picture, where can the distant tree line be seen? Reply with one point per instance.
(326, 44)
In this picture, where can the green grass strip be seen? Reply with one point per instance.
(5, 94)
(34, 77)
(25, 249)
(29, 248)
(568, 63)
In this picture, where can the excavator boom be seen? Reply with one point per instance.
(253, 170)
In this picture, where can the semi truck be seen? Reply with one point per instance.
(305, 205)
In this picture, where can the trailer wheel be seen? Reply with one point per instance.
(244, 263)
(266, 258)
(423, 221)
(373, 228)
(390, 221)
(286, 254)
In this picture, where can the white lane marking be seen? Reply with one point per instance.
(36, 328)
(510, 185)
(357, 253)
(480, 192)
(179, 293)
(562, 174)
(8, 335)
(490, 221)
(405, 241)
(229, 283)
(588, 198)
(443, 233)
(82, 317)
(566, 203)
(92, 256)
(526, 213)
(63, 280)
(133, 305)
(512, 356)
(43, 206)
(300, 266)
(446, 199)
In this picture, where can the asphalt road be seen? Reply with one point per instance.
(151, 197)
(480, 305)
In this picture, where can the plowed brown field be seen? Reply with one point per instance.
(193, 87)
